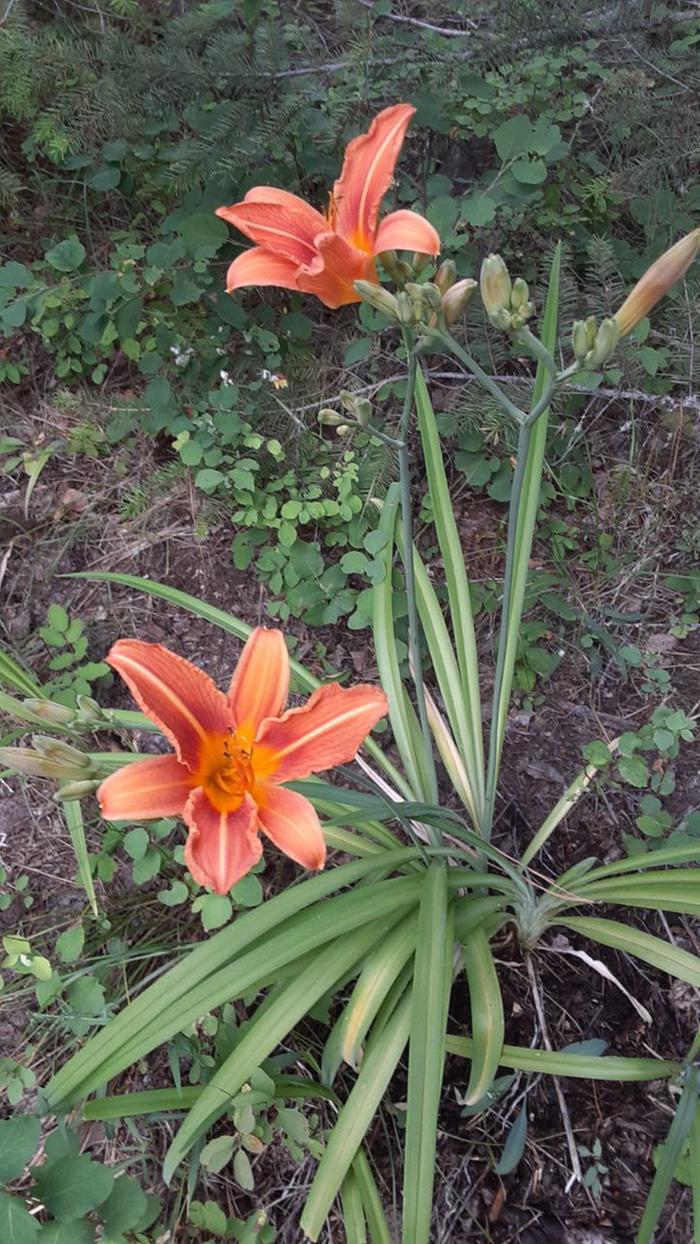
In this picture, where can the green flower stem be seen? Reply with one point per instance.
(438, 337)
(391, 441)
(540, 351)
(414, 643)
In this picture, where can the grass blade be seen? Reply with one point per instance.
(433, 967)
(654, 950)
(579, 1066)
(487, 1018)
(76, 828)
(671, 1151)
(158, 1101)
(458, 593)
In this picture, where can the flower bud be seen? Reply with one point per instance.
(495, 286)
(605, 343)
(657, 281)
(433, 297)
(390, 263)
(363, 411)
(579, 340)
(520, 294)
(77, 790)
(405, 310)
(343, 430)
(418, 262)
(377, 297)
(90, 710)
(418, 300)
(55, 714)
(329, 418)
(456, 299)
(44, 763)
(446, 275)
(347, 400)
(502, 319)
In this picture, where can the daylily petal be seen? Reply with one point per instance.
(326, 731)
(406, 231)
(146, 790)
(281, 229)
(260, 267)
(221, 847)
(367, 171)
(260, 684)
(331, 274)
(292, 824)
(181, 699)
(272, 194)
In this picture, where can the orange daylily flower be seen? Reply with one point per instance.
(323, 253)
(232, 752)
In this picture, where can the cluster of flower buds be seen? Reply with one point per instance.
(87, 713)
(359, 413)
(594, 344)
(507, 303)
(434, 303)
(52, 758)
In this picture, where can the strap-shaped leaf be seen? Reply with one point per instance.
(487, 1018)
(371, 1200)
(378, 974)
(73, 813)
(642, 863)
(404, 722)
(267, 1028)
(285, 954)
(378, 1066)
(673, 889)
(459, 597)
(560, 810)
(683, 1120)
(522, 515)
(579, 1066)
(654, 950)
(432, 971)
(447, 674)
(218, 951)
(353, 1210)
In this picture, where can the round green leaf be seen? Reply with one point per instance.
(531, 171)
(67, 255)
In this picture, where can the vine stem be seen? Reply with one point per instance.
(414, 642)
